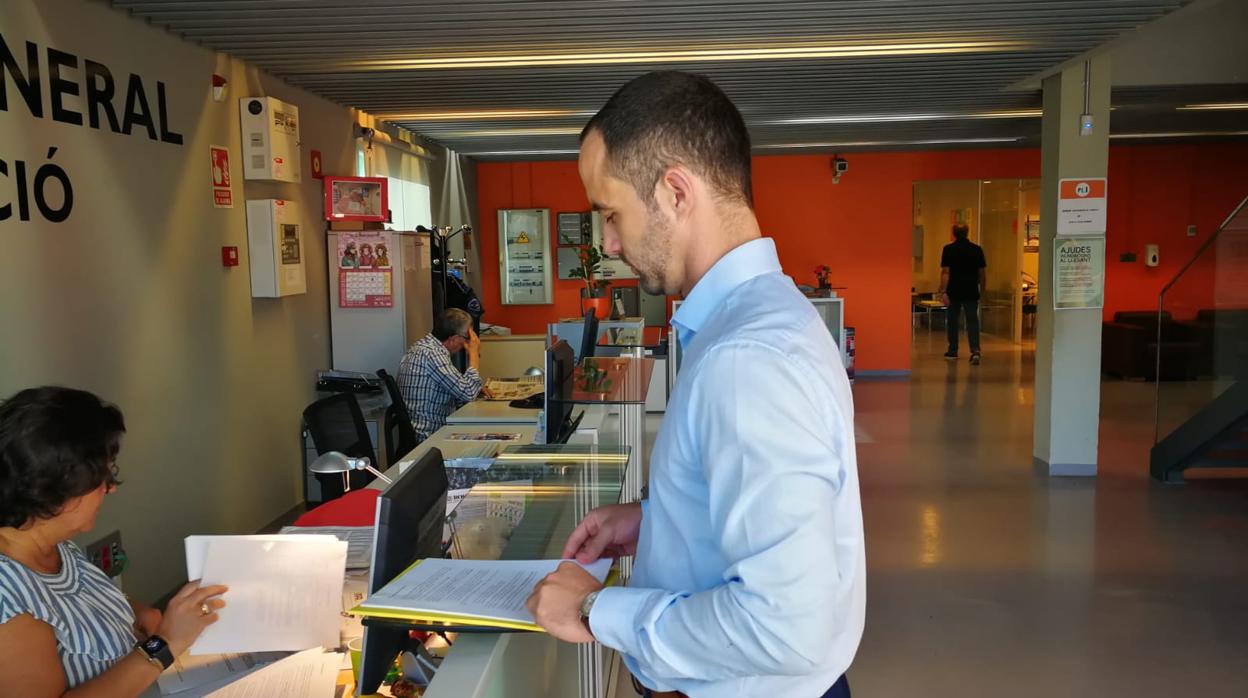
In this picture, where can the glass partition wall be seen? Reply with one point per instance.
(1003, 216)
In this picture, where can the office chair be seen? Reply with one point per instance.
(589, 336)
(400, 434)
(336, 423)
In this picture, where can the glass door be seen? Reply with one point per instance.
(1003, 248)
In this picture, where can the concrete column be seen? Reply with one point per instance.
(1068, 342)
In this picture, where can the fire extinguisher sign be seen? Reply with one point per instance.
(222, 192)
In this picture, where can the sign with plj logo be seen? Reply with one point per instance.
(1081, 206)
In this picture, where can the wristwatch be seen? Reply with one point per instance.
(588, 604)
(156, 650)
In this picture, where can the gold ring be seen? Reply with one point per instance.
(204, 609)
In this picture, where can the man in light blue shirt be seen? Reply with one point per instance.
(749, 577)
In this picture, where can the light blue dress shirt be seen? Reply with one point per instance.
(750, 569)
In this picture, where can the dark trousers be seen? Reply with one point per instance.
(840, 689)
(952, 322)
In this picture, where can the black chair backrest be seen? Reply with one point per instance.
(589, 336)
(400, 434)
(336, 423)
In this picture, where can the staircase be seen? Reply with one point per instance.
(1203, 422)
(1215, 437)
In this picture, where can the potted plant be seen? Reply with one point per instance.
(594, 295)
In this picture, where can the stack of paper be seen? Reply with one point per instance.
(197, 676)
(488, 593)
(359, 540)
(310, 674)
(285, 591)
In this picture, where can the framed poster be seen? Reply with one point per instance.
(1078, 273)
(356, 199)
(365, 272)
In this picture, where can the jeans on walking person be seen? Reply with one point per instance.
(953, 322)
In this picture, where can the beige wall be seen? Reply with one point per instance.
(128, 297)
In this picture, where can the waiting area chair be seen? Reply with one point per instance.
(336, 423)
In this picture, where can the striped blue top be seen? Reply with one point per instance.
(93, 622)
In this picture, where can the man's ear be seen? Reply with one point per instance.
(676, 192)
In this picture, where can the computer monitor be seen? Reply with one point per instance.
(410, 515)
(560, 367)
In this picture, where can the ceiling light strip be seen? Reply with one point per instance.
(686, 55)
(1217, 106)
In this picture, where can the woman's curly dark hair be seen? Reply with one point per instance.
(55, 444)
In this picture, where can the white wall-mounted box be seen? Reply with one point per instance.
(275, 249)
(270, 139)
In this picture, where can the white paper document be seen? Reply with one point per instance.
(487, 589)
(285, 592)
(310, 674)
(359, 540)
(197, 676)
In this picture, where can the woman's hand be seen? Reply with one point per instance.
(146, 620)
(184, 617)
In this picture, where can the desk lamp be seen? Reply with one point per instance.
(333, 462)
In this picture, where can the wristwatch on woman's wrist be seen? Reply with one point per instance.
(156, 650)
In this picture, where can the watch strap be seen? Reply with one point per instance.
(156, 650)
(588, 604)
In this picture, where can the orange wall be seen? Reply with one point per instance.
(861, 227)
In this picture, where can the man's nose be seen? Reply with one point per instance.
(611, 243)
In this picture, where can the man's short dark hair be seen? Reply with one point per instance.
(671, 118)
(55, 444)
(451, 322)
(961, 231)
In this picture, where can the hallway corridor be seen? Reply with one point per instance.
(988, 579)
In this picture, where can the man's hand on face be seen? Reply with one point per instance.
(556, 602)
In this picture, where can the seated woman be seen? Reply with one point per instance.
(65, 630)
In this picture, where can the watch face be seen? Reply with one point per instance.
(153, 645)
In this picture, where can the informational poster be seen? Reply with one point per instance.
(1079, 273)
(1081, 206)
(222, 192)
(365, 271)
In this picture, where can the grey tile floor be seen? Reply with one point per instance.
(988, 579)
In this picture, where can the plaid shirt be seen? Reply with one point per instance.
(432, 387)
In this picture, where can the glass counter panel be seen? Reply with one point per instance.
(610, 381)
(527, 504)
(632, 338)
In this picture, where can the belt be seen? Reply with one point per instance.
(647, 693)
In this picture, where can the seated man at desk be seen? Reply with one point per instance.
(432, 386)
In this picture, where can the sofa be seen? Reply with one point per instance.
(1129, 346)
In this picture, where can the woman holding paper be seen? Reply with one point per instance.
(65, 630)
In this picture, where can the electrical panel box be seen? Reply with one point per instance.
(275, 249)
(270, 139)
(524, 256)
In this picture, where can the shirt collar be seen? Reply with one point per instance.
(745, 262)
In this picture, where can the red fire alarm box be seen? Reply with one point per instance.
(229, 256)
(356, 199)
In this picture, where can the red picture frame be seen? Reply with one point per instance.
(356, 199)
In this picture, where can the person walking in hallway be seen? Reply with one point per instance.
(750, 573)
(963, 272)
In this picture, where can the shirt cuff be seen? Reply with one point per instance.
(613, 619)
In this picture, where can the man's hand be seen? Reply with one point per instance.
(487, 393)
(556, 602)
(944, 298)
(609, 531)
(474, 342)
